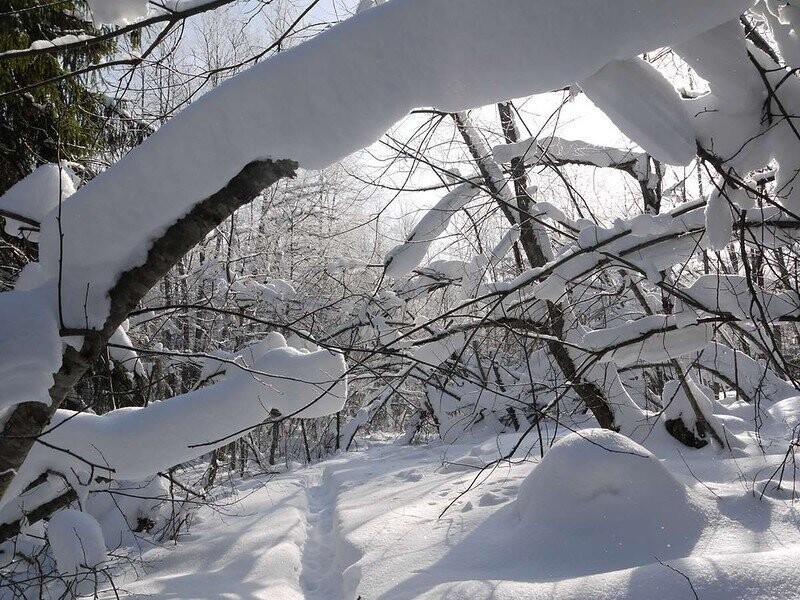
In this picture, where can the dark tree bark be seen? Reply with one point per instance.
(592, 395)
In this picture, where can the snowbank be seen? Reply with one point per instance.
(600, 500)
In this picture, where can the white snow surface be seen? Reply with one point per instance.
(652, 338)
(645, 107)
(600, 516)
(719, 222)
(135, 443)
(36, 196)
(339, 92)
(27, 365)
(76, 541)
(533, 150)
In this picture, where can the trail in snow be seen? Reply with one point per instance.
(366, 524)
(321, 575)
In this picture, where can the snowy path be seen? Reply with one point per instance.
(366, 524)
(321, 575)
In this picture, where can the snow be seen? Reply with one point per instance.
(572, 151)
(303, 104)
(135, 443)
(117, 12)
(505, 244)
(368, 524)
(62, 40)
(121, 350)
(595, 518)
(653, 338)
(731, 294)
(434, 354)
(35, 197)
(125, 505)
(654, 116)
(719, 222)
(76, 541)
(677, 405)
(754, 380)
(402, 259)
(27, 366)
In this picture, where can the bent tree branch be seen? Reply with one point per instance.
(28, 420)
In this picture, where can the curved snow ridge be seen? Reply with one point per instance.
(134, 443)
(329, 570)
(338, 93)
(770, 575)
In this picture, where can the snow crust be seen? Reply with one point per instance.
(305, 104)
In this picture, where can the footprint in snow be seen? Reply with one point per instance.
(409, 475)
(490, 499)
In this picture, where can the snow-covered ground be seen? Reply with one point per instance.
(599, 517)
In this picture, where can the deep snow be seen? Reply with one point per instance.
(599, 517)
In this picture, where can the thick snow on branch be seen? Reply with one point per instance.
(576, 152)
(403, 258)
(648, 244)
(26, 365)
(645, 107)
(719, 222)
(651, 339)
(34, 198)
(733, 294)
(134, 443)
(63, 40)
(749, 376)
(338, 93)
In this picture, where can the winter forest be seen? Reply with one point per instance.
(397, 299)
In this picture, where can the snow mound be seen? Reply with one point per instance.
(602, 501)
(76, 541)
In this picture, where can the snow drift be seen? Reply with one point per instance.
(600, 500)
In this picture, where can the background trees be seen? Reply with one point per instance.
(554, 281)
